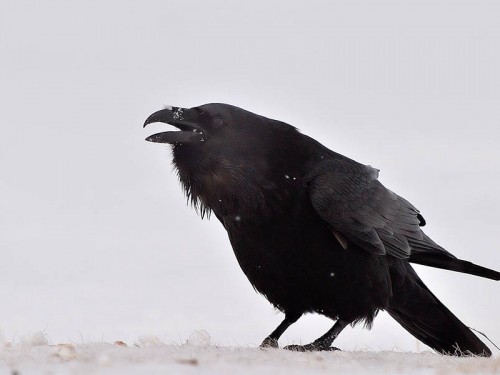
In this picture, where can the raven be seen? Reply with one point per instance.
(313, 231)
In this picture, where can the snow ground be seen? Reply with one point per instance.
(151, 356)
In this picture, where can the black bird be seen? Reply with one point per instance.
(314, 231)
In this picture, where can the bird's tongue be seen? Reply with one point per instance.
(173, 137)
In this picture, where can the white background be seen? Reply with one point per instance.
(96, 240)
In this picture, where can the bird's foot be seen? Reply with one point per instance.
(312, 347)
(269, 343)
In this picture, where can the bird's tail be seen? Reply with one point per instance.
(425, 317)
(453, 264)
(428, 253)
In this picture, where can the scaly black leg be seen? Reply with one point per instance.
(271, 341)
(324, 342)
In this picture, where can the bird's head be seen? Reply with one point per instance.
(222, 152)
(220, 124)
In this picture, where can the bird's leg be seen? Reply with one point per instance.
(324, 342)
(271, 341)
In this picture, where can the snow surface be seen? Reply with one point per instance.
(149, 355)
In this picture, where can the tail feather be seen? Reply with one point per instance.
(415, 307)
(453, 264)
(428, 253)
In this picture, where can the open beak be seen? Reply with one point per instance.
(185, 119)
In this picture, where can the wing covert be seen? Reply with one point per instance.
(350, 198)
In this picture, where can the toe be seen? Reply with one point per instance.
(269, 343)
(310, 348)
(295, 348)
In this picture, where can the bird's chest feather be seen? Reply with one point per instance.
(284, 256)
(229, 187)
(295, 260)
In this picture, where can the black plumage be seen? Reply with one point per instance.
(314, 231)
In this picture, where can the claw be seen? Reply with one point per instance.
(310, 348)
(269, 343)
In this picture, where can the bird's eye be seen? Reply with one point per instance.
(218, 123)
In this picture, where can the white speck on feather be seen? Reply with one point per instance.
(237, 218)
(287, 177)
(177, 115)
(332, 274)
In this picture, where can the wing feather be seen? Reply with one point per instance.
(350, 198)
